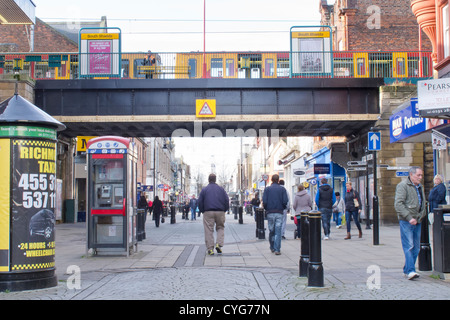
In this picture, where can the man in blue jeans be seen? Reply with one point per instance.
(325, 198)
(410, 204)
(275, 201)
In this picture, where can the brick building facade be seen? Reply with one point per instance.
(16, 38)
(373, 25)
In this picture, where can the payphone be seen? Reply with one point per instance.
(111, 195)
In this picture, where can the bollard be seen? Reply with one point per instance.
(172, 214)
(140, 224)
(425, 248)
(235, 211)
(315, 268)
(304, 247)
(260, 232)
(241, 219)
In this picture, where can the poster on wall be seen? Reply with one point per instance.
(33, 205)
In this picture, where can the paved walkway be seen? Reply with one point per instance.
(171, 265)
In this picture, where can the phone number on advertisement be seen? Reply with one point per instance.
(39, 184)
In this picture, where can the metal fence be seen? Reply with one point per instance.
(199, 65)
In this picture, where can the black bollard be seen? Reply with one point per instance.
(315, 268)
(425, 248)
(172, 214)
(304, 247)
(140, 224)
(260, 232)
(241, 218)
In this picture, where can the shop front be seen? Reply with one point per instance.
(407, 126)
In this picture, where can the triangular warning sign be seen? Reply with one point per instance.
(206, 110)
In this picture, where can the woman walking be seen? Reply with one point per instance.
(302, 202)
(352, 209)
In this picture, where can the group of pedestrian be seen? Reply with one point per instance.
(410, 205)
(155, 207)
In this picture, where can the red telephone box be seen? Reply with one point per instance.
(111, 195)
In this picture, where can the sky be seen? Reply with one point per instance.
(177, 25)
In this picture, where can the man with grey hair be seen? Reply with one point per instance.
(213, 202)
(410, 205)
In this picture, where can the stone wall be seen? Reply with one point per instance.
(398, 154)
(7, 89)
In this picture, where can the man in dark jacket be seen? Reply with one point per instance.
(275, 201)
(213, 202)
(325, 198)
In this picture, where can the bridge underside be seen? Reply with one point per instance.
(163, 108)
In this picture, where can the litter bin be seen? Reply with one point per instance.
(441, 240)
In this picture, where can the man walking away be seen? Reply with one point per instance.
(410, 206)
(325, 198)
(193, 205)
(213, 202)
(275, 201)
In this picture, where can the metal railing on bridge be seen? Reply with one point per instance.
(224, 65)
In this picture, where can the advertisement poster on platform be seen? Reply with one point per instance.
(100, 57)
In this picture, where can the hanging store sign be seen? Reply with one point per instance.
(434, 97)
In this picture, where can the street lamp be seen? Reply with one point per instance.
(204, 39)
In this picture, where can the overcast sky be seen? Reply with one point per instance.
(177, 25)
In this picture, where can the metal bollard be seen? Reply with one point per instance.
(140, 224)
(260, 232)
(304, 247)
(172, 214)
(425, 248)
(315, 268)
(241, 218)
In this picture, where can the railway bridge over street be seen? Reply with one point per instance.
(162, 108)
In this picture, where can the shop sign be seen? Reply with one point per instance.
(434, 97)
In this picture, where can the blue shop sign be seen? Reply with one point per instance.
(406, 123)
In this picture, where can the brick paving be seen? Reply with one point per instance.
(171, 264)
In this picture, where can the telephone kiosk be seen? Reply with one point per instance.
(111, 196)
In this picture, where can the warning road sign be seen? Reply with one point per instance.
(206, 108)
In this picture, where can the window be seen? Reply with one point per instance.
(230, 67)
(192, 68)
(400, 66)
(446, 32)
(269, 68)
(361, 66)
(216, 68)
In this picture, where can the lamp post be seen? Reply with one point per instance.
(204, 39)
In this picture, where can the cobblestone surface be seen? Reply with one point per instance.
(171, 265)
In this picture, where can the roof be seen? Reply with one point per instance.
(17, 12)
